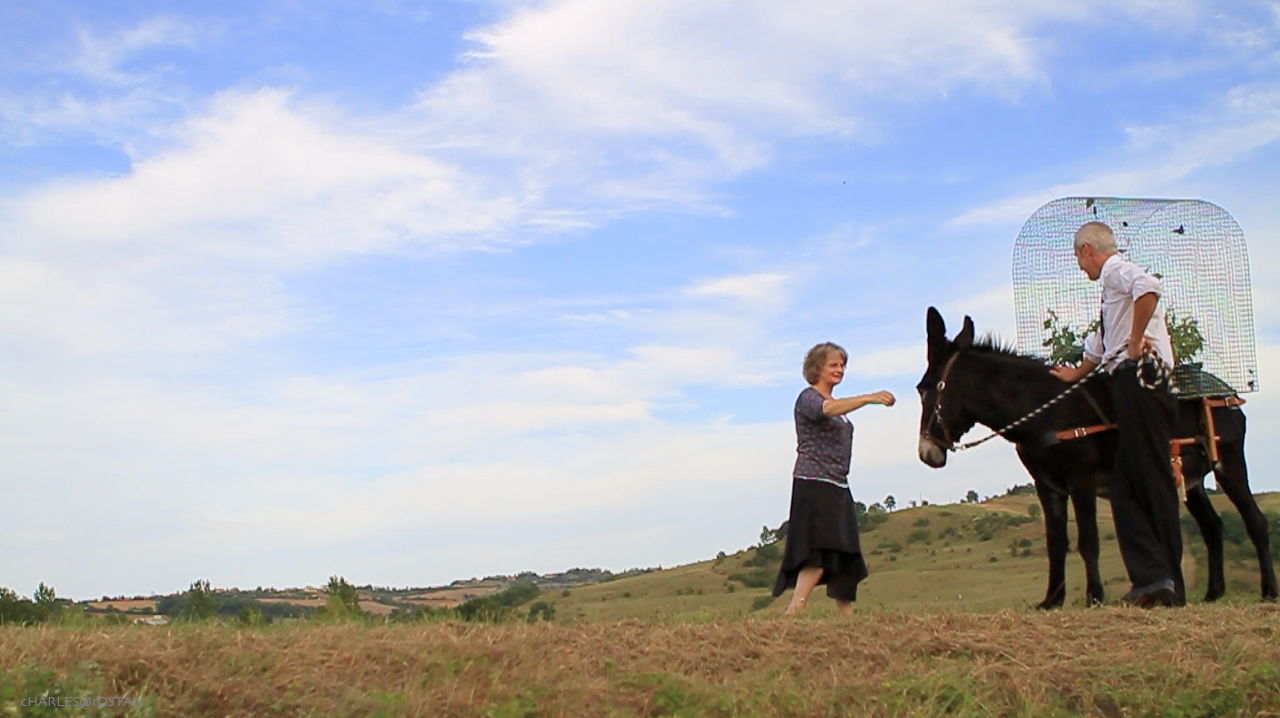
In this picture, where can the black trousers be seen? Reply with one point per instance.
(1144, 498)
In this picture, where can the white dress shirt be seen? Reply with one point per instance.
(1122, 283)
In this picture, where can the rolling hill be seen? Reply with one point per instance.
(957, 557)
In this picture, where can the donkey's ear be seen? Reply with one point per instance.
(937, 343)
(964, 339)
(933, 322)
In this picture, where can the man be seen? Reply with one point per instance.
(1133, 346)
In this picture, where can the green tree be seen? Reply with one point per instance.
(343, 601)
(890, 503)
(201, 603)
(971, 497)
(1033, 510)
(16, 609)
(46, 596)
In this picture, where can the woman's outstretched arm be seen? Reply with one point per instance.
(836, 407)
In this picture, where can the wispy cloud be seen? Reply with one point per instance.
(102, 59)
(1158, 157)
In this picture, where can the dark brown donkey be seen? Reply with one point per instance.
(994, 386)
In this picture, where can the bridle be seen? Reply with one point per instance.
(937, 409)
(951, 445)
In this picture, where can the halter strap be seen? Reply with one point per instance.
(952, 446)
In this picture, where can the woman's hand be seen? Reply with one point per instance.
(882, 397)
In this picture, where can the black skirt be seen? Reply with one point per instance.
(823, 531)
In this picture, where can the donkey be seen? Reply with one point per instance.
(981, 382)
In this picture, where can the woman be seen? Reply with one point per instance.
(822, 532)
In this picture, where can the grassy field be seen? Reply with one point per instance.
(1198, 661)
(943, 628)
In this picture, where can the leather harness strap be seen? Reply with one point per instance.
(1080, 432)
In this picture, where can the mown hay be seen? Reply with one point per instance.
(1204, 660)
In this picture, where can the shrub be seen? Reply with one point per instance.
(541, 611)
(922, 521)
(766, 555)
(758, 578)
(921, 535)
(250, 616)
(761, 602)
(869, 518)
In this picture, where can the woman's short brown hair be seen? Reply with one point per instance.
(817, 356)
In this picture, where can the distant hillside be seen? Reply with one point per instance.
(968, 557)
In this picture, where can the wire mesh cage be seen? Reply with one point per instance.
(1195, 247)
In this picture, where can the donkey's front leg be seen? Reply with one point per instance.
(1085, 500)
(1055, 532)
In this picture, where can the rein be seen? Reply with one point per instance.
(951, 445)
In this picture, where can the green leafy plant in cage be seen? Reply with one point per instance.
(1184, 334)
(1066, 345)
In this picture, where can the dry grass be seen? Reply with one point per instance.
(1199, 661)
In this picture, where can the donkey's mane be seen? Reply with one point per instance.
(994, 344)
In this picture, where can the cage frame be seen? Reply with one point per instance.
(1196, 248)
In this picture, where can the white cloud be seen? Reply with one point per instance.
(253, 181)
(765, 287)
(647, 101)
(1159, 157)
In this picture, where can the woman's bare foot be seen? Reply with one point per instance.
(796, 605)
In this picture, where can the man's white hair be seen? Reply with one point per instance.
(1097, 235)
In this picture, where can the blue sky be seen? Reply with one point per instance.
(412, 292)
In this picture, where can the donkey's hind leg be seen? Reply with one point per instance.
(1055, 531)
(1233, 478)
(1210, 528)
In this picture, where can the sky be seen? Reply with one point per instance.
(414, 292)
